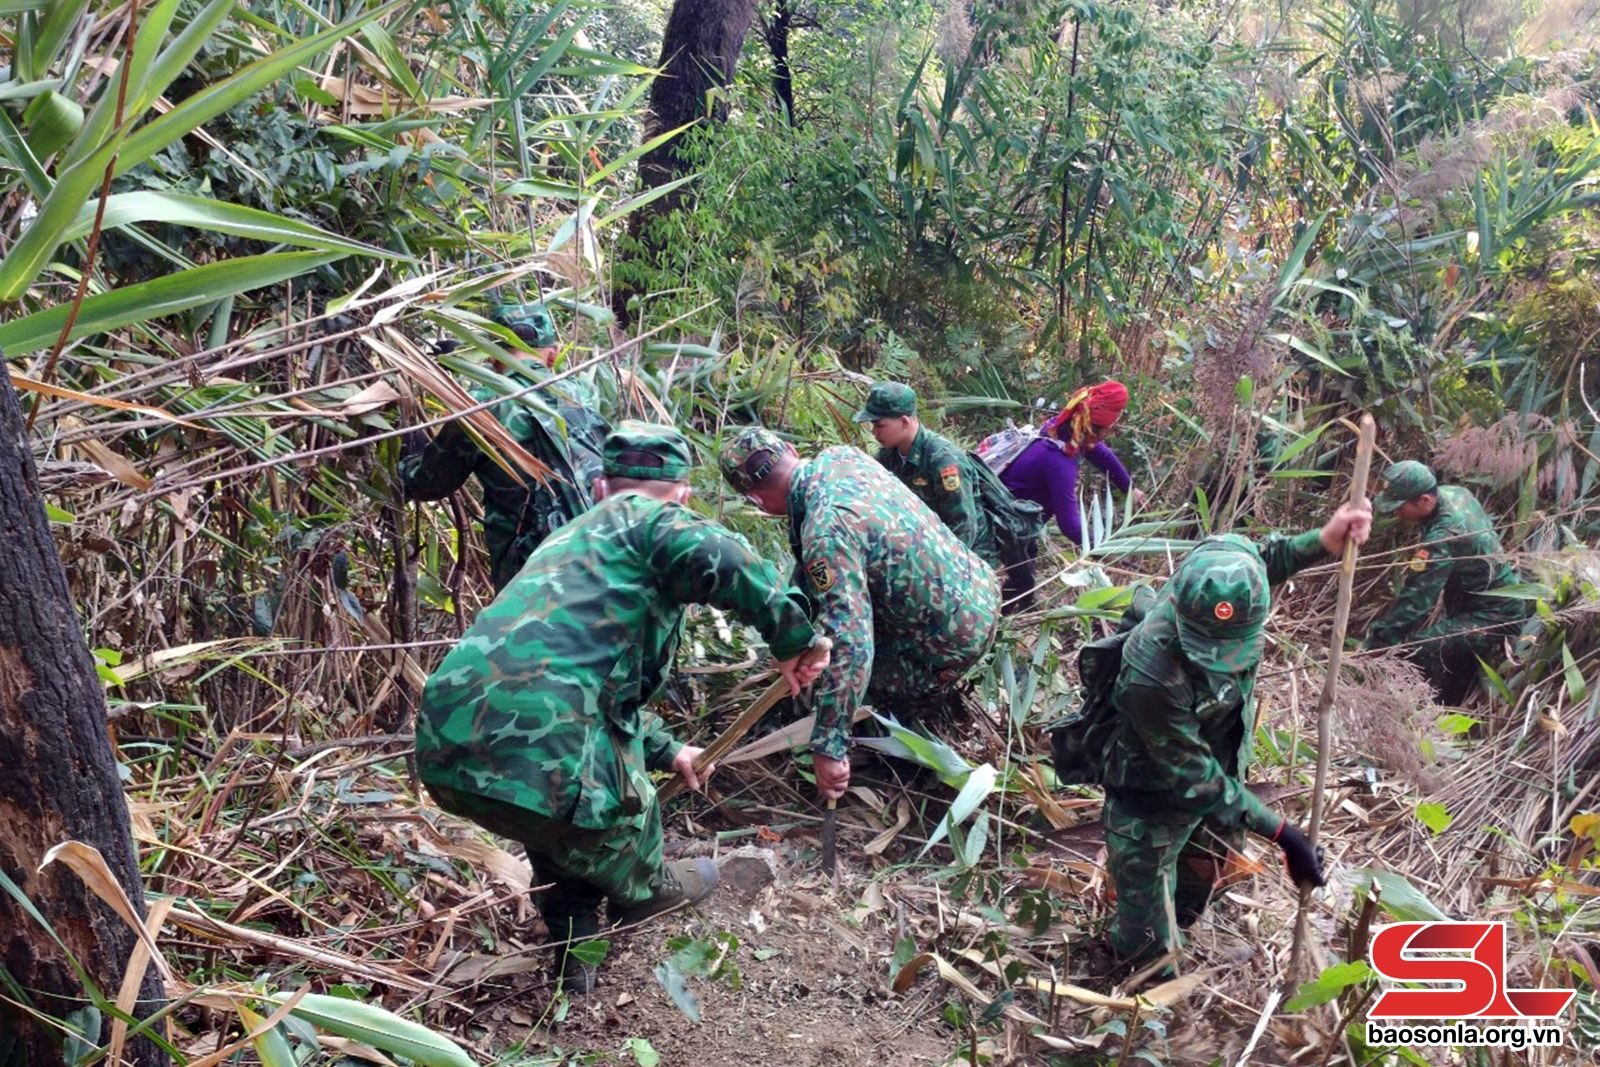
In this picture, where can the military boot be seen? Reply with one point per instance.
(682, 882)
(577, 977)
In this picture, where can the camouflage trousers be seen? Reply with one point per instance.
(1161, 866)
(581, 867)
(1449, 650)
(907, 671)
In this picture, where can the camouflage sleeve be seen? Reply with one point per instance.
(441, 467)
(832, 557)
(700, 562)
(1188, 770)
(954, 495)
(1287, 556)
(1427, 574)
(660, 747)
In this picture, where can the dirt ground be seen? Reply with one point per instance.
(814, 985)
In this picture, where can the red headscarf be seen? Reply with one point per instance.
(1088, 416)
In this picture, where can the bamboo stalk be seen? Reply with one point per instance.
(1330, 684)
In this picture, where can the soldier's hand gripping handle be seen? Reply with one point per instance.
(802, 670)
(1300, 856)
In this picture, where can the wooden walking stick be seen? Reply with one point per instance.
(1330, 684)
(734, 733)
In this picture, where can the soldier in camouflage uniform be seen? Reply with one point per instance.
(535, 727)
(959, 488)
(518, 512)
(1173, 772)
(908, 607)
(1459, 558)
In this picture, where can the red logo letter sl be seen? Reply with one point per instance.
(1464, 965)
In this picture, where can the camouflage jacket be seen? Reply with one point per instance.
(962, 490)
(880, 568)
(517, 515)
(1458, 558)
(1183, 737)
(936, 471)
(541, 704)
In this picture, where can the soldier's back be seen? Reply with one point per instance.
(1478, 560)
(917, 570)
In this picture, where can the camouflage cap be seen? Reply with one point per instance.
(888, 400)
(1405, 481)
(531, 322)
(749, 455)
(647, 451)
(1222, 597)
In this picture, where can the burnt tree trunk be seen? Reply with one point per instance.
(58, 781)
(699, 51)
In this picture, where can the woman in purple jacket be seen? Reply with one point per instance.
(1046, 471)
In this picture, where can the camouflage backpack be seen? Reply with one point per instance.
(1016, 522)
(1080, 738)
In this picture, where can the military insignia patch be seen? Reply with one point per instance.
(1223, 610)
(1419, 562)
(821, 574)
(950, 477)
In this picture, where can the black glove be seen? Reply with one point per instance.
(1304, 861)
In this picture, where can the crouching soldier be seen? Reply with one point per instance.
(535, 727)
(563, 434)
(907, 606)
(1178, 724)
(1459, 561)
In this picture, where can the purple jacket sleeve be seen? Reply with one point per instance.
(1101, 456)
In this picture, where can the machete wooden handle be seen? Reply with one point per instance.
(724, 742)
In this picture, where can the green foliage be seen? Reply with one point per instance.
(1330, 985)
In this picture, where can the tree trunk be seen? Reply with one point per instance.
(699, 52)
(778, 44)
(59, 781)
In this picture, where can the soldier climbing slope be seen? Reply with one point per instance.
(961, 489)
(1458, 560)
(908, 607)
(535, 727)
(517, 513)
(1172, 720)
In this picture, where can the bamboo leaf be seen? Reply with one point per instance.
(59, 21)
(635, 153)
(271, 1046)
(154, 22)
(1297, 258)
(380, 1028)
(205, 105)
(1306, 349)
(979, 784)
(1577, 689)
(43, 235)
(395, 64)
(166, 295)
(177, 209)
(634, 203)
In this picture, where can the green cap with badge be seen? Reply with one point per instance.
(1222, 599)
(749, 455)
(888, 400)
(648, 452)
(531, 322)
(1404, 481)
